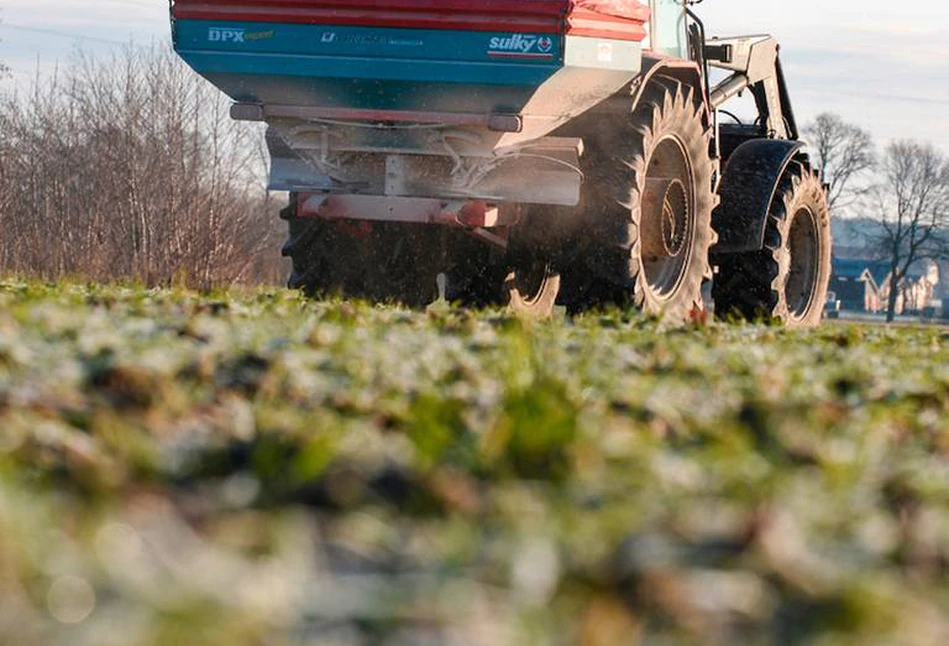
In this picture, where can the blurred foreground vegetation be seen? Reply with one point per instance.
(222, 469)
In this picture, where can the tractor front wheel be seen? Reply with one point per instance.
(789, 278)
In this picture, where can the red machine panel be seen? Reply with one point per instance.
(619, 19)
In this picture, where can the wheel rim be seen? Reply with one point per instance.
(803, 252)
(667, 224)
(530, 281)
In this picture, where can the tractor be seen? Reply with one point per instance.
(535, 153)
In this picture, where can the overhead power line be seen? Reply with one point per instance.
(62, 34)
(896, 97)
(879, 96)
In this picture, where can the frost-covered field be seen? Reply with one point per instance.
(226, 470)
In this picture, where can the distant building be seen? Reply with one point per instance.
(863, 285)
(858, 284)
(942, 289)
(917, 292)
(854, 286)
(861, 279)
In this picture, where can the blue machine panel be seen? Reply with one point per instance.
(366, 67)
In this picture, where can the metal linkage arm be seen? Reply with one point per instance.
(755, 64)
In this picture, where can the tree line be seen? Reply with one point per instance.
(903, 192)
(130, 168)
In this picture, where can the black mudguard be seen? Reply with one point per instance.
(748, 186)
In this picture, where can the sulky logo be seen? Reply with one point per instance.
(218, 35)
(521, 46)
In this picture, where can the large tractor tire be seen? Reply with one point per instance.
(313, 248)
(381, 262)
(531, 291)
(648, 206)
(532, 285)
(403, 263)
(788, 279)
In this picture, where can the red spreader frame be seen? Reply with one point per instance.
(616, 19)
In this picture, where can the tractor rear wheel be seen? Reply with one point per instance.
(649, 206)
(531, 290)
(789, 278)
(381, 262)
(314, 249)
(532, 285)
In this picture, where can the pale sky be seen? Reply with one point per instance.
(879, 63)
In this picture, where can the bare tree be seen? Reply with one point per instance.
(845, 154)
(130, 168)
(911, 207)
(4, 68)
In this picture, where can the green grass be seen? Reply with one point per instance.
(255, 469)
